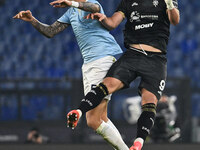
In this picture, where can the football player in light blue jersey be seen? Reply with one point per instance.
(98, 48)
(94, 41)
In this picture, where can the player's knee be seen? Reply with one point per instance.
(112, 84)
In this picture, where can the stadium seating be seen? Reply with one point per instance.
(26, 53)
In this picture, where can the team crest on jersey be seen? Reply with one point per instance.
(135, 16)
(155, 3)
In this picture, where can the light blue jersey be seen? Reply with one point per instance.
(93, 39)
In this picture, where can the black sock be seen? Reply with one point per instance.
(93, 98)
(146, 120)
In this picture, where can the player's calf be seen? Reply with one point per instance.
(144, 125)
(93, 98)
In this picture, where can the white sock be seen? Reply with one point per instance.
(110, 135)
(80, 113)
(113, 126)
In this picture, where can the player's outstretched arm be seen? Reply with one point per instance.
(108, 22)
(173, 13)
(86, 6)
(47, 30)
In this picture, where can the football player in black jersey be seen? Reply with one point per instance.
(146, 37)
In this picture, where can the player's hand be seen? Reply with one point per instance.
(97, 16)
(61, 3)
(169, 4)
(24, 15)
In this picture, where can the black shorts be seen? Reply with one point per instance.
(152, 68)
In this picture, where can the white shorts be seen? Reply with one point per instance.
(95, 71)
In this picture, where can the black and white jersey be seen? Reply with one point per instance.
(147, 22)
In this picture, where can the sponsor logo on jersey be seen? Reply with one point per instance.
(135, 4)
(143, 26)
(155, 3)
(152, 17)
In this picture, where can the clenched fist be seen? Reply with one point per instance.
(169, 4)
(61, 3)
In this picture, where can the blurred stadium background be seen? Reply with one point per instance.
(40, 79)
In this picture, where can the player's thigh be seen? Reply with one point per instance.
(153, 77)
(122, 72)
(94, 72)
(113, 84)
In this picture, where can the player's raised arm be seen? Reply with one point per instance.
(172, 11)
(109, 22)
(47, 30)
(86, 6)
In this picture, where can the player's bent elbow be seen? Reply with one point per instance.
(110, 27)
(175, 22)
(49, 36)
(97, 9)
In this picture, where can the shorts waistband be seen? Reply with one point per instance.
(145, 52)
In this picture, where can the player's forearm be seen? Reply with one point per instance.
(45, 29)
(112, 22)
(42, 28)
(174, 16)
(90, 7)
(48, 30)
(108, 23)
